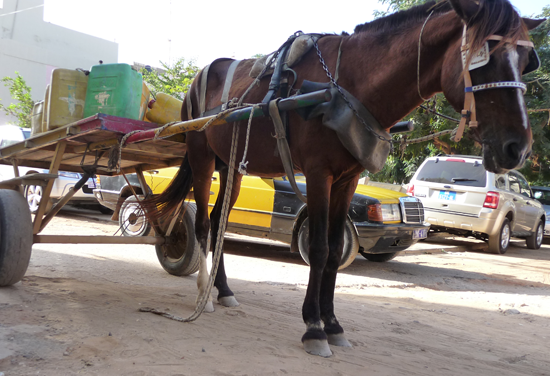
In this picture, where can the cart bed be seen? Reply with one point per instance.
(98, 132)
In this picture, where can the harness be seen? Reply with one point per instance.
(481, 58)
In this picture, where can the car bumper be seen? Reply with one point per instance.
(482, 223)
(376, 238)
(107, 198)
(547, 229)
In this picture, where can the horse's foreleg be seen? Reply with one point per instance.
(341, 194)
(315, 339)
(225, 295)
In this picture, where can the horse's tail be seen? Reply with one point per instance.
(167, 203)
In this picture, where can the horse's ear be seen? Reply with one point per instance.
(531, 23)
(466, 9)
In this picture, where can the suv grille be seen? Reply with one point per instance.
(412, 210)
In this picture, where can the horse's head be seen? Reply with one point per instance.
(503, 124)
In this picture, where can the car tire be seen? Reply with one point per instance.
(351, 243)
(33, 195)
(499, 242)
(378, 257)
(535, 240)
(15, 237)
(181, 257)
(132, 219)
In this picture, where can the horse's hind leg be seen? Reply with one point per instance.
(341, 195)
(202, 164)
(225, 295)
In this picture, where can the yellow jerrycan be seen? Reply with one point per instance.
(67, 97)
(36, 118)
(165, 109)
(145, 96)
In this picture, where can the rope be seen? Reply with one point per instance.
(243, 165)
(419, 48)
(203, 299)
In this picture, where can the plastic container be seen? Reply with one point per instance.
(165, 109)
(67, 97)
(145, 95)
(46, 109)
(114, 89)
(36, 118)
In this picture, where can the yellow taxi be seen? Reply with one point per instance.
(381, 222)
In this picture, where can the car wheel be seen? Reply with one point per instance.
(499, 242)
(132, 219)
(351, 243)
(15, 237)
(378, 257)
(535, 240)
(33, 194)
(181, 256)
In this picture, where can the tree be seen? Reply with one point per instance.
(174, 80)
(20, 91)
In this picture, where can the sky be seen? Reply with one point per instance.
(165, 30)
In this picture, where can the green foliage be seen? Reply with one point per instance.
(174, 79)
(20, 91)
(537, 98)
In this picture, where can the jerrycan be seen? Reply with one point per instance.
(114, 89)
(67, 97)
(145, 95)
(46, 109)
(165, 109)
(36, 118)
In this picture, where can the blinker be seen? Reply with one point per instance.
(534, 62)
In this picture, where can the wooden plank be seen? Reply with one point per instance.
(98, 239)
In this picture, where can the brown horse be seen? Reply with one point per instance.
(381, 67)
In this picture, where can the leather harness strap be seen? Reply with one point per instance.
(469, 111)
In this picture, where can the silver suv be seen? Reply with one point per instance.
(462, 198)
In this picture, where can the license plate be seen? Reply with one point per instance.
(447, 195)
(420, 233)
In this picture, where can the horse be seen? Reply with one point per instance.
(390, 65)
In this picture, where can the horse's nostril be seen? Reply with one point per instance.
(512, 150)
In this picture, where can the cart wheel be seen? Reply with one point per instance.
(351, 243)
(15, 237)
(182, 257)
(132, 219)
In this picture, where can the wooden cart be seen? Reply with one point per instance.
(85, 146)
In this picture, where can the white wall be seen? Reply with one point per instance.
(34, 48)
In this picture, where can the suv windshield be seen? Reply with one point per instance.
(453, 172)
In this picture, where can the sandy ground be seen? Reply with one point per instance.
(435, 311)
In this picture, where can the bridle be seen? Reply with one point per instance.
(469, 111)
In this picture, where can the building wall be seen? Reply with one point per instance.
(34, 48)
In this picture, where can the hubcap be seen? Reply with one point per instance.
(133, 219)
(505, 237)
(34, 195)
(540, 234)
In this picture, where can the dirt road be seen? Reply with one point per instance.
(435, 311)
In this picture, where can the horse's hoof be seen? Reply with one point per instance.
(338, 340)
(228, 301)
(317, 347)
(209, 307)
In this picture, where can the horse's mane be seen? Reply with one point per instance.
(404, 18)
(493, 17)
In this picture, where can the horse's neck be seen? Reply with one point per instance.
(389, 88)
